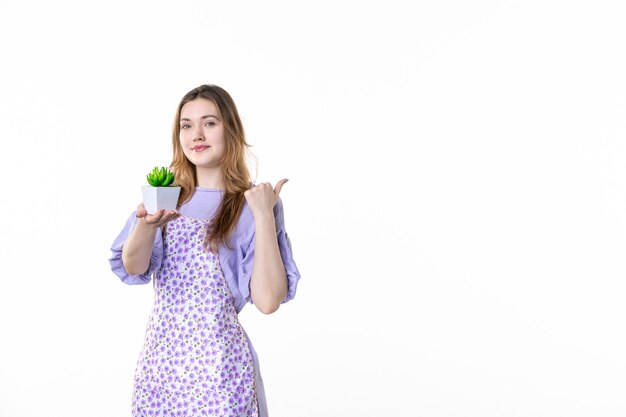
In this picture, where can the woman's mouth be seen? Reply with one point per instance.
(200, 148)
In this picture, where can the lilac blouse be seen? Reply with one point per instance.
(236, 263)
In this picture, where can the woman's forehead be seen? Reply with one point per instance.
(198, 108)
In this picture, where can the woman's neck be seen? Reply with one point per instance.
(209, 178)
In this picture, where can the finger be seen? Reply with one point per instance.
(141, 210)
(166, 218)
(154, 218)
(170, 215)
(279, 186)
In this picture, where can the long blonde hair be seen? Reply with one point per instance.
(236, 176)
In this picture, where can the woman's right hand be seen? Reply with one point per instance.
(158, 219)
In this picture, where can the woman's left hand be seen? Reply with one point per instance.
(262, 198)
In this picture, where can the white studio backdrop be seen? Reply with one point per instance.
(456, 203)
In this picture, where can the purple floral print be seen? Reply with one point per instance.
(195, 360)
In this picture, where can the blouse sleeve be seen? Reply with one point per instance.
(115, 260)
(286, 253)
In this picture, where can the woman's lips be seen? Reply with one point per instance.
(200, 148)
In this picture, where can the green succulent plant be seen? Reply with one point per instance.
(162, 177)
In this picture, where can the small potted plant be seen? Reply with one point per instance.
(160, 194)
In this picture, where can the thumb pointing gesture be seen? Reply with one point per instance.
(262, 197)
(279, 186)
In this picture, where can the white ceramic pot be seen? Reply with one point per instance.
(156, 198)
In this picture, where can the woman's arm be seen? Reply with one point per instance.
(268, 281)
(137, 249)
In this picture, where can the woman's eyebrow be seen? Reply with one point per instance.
(206, 116)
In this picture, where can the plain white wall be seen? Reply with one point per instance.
(456, 204)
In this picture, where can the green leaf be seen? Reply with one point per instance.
(160, 177)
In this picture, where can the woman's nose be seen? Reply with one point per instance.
(198, 134)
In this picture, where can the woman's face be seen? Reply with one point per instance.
(202, 133)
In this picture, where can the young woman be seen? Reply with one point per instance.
(225, 245)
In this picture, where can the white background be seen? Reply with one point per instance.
(456, 203)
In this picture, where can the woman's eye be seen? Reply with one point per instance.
(184, 126)
(211, 124)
